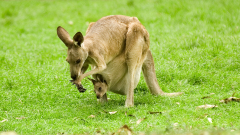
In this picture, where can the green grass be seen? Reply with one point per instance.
(196, 50)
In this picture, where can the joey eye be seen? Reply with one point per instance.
(78, 61)
(99, 88)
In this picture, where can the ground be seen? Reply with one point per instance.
(196, 50)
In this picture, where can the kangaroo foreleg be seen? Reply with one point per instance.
(100, 66)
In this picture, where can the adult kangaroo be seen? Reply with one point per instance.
(106, 39)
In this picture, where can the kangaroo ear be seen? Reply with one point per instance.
(64, 36)
(78, 39)
(93, 81)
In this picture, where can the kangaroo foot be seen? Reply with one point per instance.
(173, 94)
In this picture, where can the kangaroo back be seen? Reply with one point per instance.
(108, 35)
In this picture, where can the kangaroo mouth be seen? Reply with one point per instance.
(79, 86)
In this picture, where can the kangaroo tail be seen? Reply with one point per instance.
(151, 79)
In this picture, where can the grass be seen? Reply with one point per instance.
(196, 50)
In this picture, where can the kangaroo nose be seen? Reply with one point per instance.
(73, 77)
(98, 97)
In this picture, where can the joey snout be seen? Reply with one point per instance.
(99, 95)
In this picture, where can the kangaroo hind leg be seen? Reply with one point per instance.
(135, 53)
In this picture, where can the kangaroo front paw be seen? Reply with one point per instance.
(79, 86)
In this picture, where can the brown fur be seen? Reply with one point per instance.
(106, 40)
(114, 78)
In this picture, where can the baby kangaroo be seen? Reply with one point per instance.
(100, 88)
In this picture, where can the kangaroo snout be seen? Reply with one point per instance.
(98, 96)
(74, 77)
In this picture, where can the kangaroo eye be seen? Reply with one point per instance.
(99, 88)
(78, 61)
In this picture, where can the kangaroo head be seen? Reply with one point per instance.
(76, 54)
(100, 87)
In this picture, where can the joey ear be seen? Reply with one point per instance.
(64, 36)
(78, 38)
(105, 82)
(100, 78)
(93, 81)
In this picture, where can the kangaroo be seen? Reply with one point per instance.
(114, 78)
(105, 40)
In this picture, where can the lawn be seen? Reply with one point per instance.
(196, 49)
